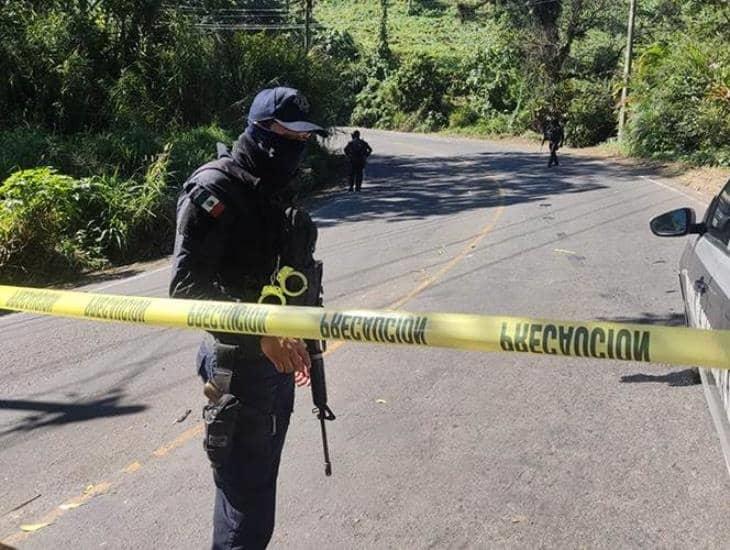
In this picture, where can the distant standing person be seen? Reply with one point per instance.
(357, 151)
(553, 133)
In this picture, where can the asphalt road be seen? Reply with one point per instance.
(432, 448)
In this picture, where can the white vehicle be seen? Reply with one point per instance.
(704, 277)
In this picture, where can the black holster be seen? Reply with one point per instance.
(220, 419)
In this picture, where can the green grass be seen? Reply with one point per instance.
(434, 29)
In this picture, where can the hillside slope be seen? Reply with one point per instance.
(433, 28)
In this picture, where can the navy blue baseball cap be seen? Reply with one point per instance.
(286, 106)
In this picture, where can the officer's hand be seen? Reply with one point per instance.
(301, 379)
(289, 355)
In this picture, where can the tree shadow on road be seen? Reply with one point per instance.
(680, 378)
(648, 318)
(399, 188)
(105, 276)
(686, 377)
(52, 413)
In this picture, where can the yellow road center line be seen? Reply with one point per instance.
(456, 259)
(179, 441)
(133, 467)
(90, 492)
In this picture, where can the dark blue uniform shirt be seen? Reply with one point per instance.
(229, 235)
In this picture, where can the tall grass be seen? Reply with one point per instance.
(53, 226)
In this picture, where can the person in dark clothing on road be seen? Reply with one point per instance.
(554, 135)
(358, 152)
(231, 228)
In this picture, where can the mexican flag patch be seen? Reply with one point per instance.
(209, 202)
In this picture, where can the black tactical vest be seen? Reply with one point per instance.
(254, 227)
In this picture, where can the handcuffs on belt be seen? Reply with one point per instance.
(289, 282)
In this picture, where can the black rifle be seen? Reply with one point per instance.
(299, 254)
(316, 350)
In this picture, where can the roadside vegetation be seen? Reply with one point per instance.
(108, 105)
(496, 68)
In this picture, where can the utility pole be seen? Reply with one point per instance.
(308, 25)
(627, 68)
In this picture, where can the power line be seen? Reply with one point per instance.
(236, 16)
(540, 2)
(251, 18)
(226, 10)
(247, 27)
(246, 19)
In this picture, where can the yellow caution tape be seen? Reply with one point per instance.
(31, 527)
(599, 340)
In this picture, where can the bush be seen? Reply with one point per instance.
(422, 120)
(320, 170)
(373, 106)
(70, 71)
(492, 79)
(337, 44)
(680, 108)
(22, 148)
(83, 154)
(39, 212)
(125, 154)
(122, 153)
(53, 226)
(419, 83)
(132, 104)
(432, 121)
(192, 148)
(597, 55)
(409, 97)
(143, 215)
(53, 78)
(591, 117)
(463, 116)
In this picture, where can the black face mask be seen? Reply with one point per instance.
(279, 156)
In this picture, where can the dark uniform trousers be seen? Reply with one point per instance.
(245, 499)
(356, 170)
(553, 154)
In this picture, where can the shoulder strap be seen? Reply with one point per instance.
(226, 166)
(231, 186)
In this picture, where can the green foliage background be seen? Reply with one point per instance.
(107, 105)
(500, 67)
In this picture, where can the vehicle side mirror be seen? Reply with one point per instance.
(675, 223)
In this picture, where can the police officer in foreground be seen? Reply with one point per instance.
(358, 152)
(231, 229)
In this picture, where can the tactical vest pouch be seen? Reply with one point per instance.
(220, 425)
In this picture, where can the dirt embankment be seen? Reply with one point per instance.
(707, 180)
